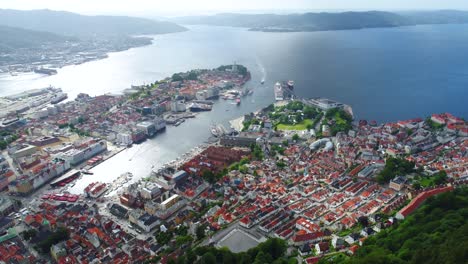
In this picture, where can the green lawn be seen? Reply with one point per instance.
(299, 126)
(427, 181)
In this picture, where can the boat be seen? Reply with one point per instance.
(87, 172)
(238, 101)
(198, 107)
(214, 130)
(262, 81)
(250, 92)
(180, 121)
(45, 71)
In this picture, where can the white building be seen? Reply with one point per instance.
(76, 156)
(323, 103)
(124, 138)
(150, 190)
(159, 123)
(178, 106)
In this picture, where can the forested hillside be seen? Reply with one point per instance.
(436, 233)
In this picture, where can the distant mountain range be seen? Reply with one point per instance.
(15, 38)
(327, 21)
(71, 24)
(55, 38)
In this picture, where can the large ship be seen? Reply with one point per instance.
(279, 92)
(218, 130)
(58, 98)
(198, 107)
(284, 90)
(45, 71)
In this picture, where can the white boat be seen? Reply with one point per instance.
(214, 131)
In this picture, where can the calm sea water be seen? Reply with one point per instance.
(384, 74)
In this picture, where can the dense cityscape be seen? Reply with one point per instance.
(233, 132)
(300, 175)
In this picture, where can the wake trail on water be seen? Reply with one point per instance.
(261, 68)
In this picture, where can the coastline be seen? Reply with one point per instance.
(147, 40)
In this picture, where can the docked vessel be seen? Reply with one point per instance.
(284, 90)
(58, 98)
(198, 107)
(87, 172)
(278, 92)
(214, 130)
(218, 130)
(45, 71)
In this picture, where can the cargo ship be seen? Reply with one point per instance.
(45, 71)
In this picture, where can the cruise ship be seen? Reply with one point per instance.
(279, 92)
(284, 90)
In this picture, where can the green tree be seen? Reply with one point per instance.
(28, 234)
(263, 258)
(208, 258)
(435, 233)
(209, 176)
(176, 77)
(200, 232)
(440, 177)
(192, 76)
(295, 137)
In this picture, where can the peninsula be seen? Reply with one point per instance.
(298, 174)
(52, 39)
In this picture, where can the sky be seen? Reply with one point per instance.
(198, 7)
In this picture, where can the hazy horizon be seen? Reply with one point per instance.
(158, 8)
